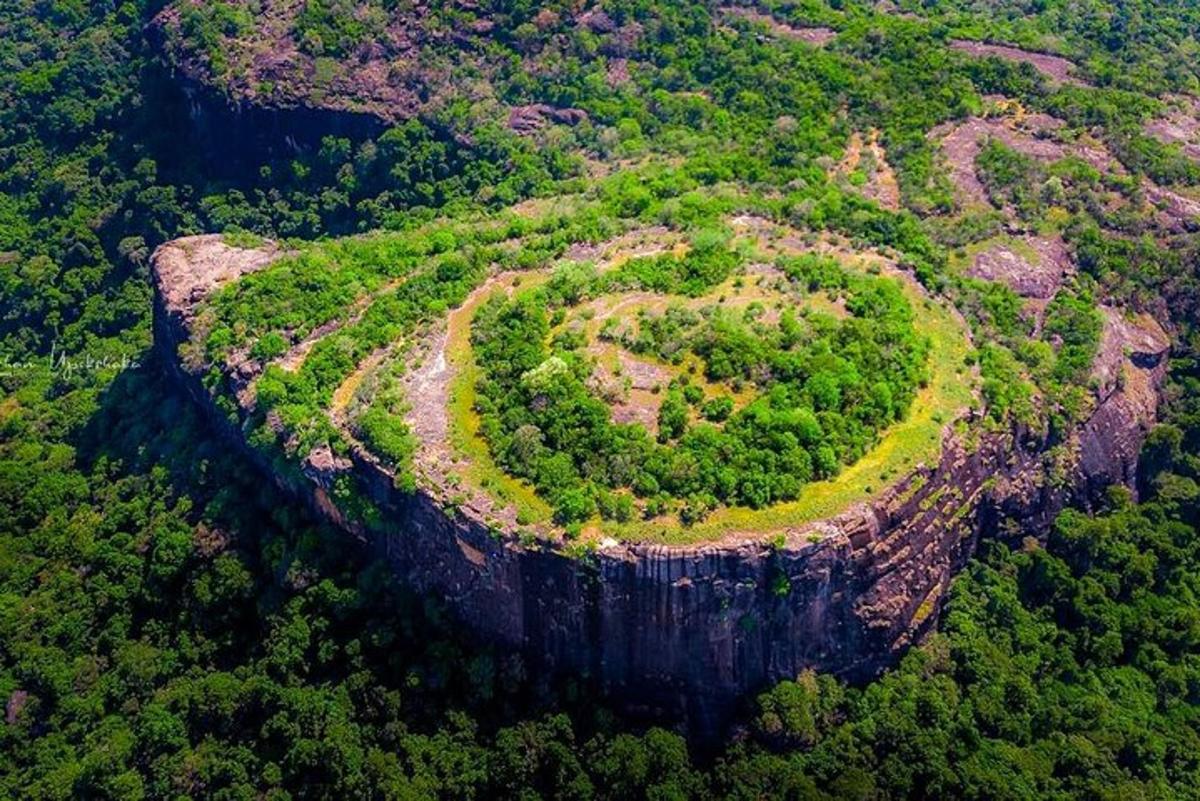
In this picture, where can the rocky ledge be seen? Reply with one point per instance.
(686, 631)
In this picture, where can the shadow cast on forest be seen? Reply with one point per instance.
(144, 423)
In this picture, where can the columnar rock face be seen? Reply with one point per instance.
(691, 629)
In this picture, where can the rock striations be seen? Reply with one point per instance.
(688, 630)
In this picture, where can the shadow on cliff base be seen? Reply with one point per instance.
(144, 424)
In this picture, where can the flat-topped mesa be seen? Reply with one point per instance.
(689, 629)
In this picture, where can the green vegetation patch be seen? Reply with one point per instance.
(916, 439)
(821, 389)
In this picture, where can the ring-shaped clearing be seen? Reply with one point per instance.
(914, 440)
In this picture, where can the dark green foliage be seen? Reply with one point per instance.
(1073, 320)
(996, 707)
(707, 263)
(337, 27)
(718, 409)
(387, 435)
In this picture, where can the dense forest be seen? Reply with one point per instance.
(171, 627)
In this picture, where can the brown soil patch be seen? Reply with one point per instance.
(8, 408)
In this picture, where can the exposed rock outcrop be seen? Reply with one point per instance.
(391, 74)
(689, 630)
(1037, 274)
(813, 35)
(1180, 125)
(1056, 68)
(1035, 135)
(527, 119)
(232, 137)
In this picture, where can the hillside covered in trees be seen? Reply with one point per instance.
(171, 626)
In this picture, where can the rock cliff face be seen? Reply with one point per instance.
(273, 97)
(690, 630)
(233, 137)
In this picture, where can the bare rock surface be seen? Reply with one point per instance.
(1037, 273)
(814, 35)
(1056, 68)
(634, 391)
(527, 119)
(17, 701)
(389, 76)
(1127, 341)
(961, 144)
(192, 268)
(1033, 136)
(1180, 125)
(1175, 211)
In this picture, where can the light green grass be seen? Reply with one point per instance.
(478, 468)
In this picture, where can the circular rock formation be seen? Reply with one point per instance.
(352, 373)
